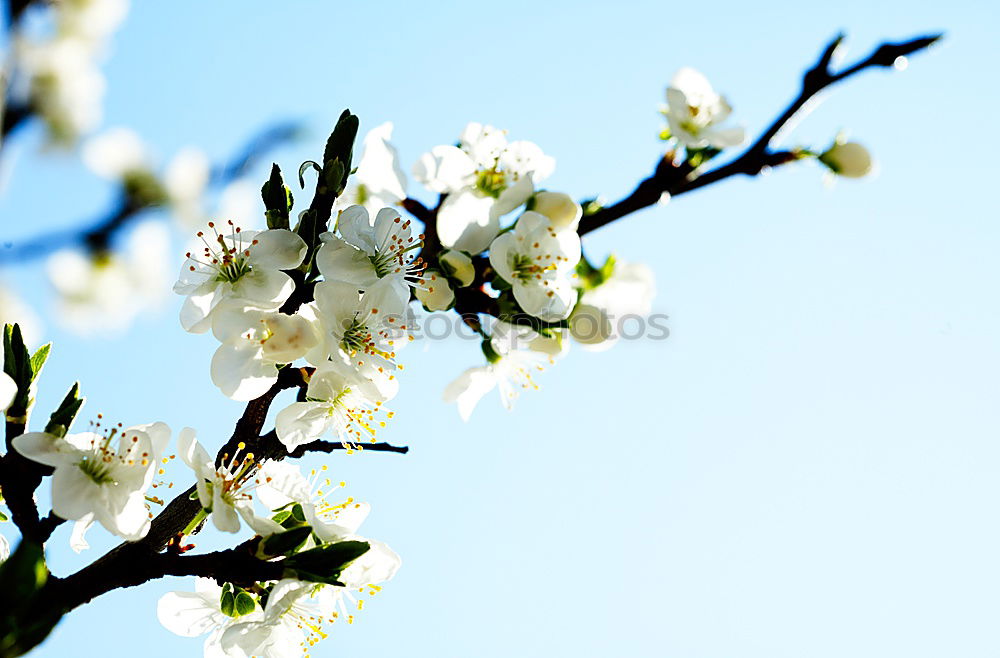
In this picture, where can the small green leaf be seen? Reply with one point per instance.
(38, 360)
(324, 564)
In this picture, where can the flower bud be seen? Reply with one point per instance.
(458, 266)
(561, 209)
(435, 293)
(847, 159)
(590, 325)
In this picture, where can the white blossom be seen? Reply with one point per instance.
(104, 292)
(115, 153)
(694, 111)
(8, 389)
(191, 614)
(538, 261)
(243, 266)
(458, 266)
(224, 491)
(254, 344)
(95, 479)
(184, 182)
(484, 178)
(516, 354)
(629, 291)
(341, 399)
(369, 254)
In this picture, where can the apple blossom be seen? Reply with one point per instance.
(538, 261)
(339, 399)
(96, 480)
(115, 153)
(244, 266)
(694, 111)
(373, 253)
(191, 614)
(254, 344)
(223, 491)
(364, 328)
(484, 178)
(512, 362)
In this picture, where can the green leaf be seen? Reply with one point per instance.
(244, 604)
(282, 516)
(38, 360)
(17, 364)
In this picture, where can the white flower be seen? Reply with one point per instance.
(458, 266)
(4, 548)
(225, 490)
(104, 292)
(90, 19)
(96, 480)
(370, 253)
(191, 614)
(244, 266)
(184, 181)
(8, 389)
(115, 153)
(436, 294)
(538, 261)
(484, 178)
(564, 212)
(515, 353)
(379, 182)
(340, 399)
(254, 344)
(365, 328)
(694, 111)
(596, 321)
(847, 159)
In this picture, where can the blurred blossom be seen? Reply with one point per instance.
(185, 180)
(694, 111)
(14, 309)
(115, 153)
(104, 292)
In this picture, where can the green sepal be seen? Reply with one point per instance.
(284, 543)
(492, 356)
(244, 604)
(62, 418)
(227, 603)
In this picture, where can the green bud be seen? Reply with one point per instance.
(284, 543)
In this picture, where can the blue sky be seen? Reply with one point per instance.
(807, 467)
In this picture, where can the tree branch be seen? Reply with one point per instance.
(672, 179)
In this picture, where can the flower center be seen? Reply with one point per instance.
(491, 182)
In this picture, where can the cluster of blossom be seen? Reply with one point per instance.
(105, 475)
(61, 71)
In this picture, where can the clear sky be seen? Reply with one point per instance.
(808, 466)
